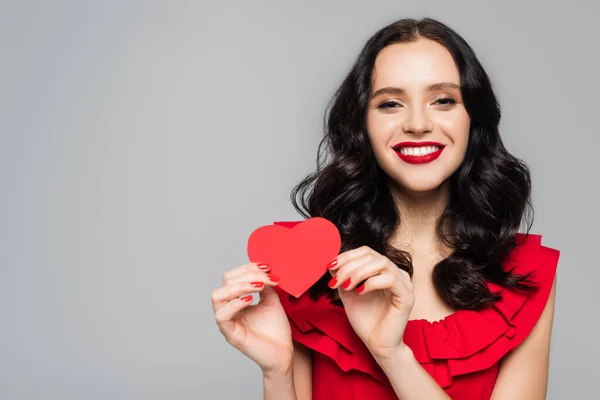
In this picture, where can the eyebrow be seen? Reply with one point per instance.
(430, 88)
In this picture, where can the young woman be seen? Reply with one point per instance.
(436, 294)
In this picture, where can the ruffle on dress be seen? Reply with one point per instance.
(464, 342)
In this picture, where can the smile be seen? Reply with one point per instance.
(418, 152)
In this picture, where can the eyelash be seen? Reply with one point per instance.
(450, 103)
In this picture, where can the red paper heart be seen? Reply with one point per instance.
(298, 255)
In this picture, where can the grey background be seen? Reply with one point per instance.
(142, 141)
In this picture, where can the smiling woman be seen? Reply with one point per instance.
(436, 289)
(417, 103)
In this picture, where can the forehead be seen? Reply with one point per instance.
(414, 63)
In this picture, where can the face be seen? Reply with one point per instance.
(416, 119)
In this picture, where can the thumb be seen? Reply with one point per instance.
(268, 295)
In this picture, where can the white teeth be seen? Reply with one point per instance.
(418, 151)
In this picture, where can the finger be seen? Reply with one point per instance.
(351, 264)
(357, 270)
(251, 276)
(405, 277)
(346, 256)
(375, 267)
(386, 280)
(242, 269)
(252, 283)
(225, 315)
(268, 295)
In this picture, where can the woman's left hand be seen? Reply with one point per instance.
(378, 310)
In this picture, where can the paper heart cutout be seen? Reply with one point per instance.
(298, 255)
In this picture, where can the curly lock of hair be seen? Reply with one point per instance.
(489, 194)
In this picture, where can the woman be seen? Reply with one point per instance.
(435, 291)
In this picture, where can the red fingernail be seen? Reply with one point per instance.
(274, 278)
(332, 264)
(332, 282)
(360, 288)
(263, 267)
(246, 298)
(257, 284)
(346, 283)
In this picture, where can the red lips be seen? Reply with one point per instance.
(418, 159)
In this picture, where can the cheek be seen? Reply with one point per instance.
(380, 129)
(456, 128)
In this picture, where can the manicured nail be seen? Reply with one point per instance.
(257, 284)
(274, 278)
(246, 298)
(346, 283)
(263, 267)
(360, 288)
(332, 282)
(332, 264)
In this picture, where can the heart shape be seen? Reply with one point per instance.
(299, 254)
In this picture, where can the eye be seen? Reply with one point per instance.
(388, 104)
(446, 101)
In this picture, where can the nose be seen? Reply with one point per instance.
(417, 122)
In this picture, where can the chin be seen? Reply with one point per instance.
(416, 183)
(420, 187)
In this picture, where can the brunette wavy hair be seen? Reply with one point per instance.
(489, 193)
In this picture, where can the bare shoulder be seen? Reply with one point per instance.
(524, 372)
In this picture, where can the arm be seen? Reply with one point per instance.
(302, 371)
(524, 372)
(409, 379)
(293, 384)
(279, 385)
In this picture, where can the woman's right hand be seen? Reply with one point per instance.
(262, 332)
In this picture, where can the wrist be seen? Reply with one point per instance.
(279, 384)
(278, 373)
(400, 355)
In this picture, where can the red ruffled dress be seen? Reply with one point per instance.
(461, 352)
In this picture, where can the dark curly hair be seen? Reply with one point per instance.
(489, 195)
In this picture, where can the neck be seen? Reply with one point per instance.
(419, 215)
